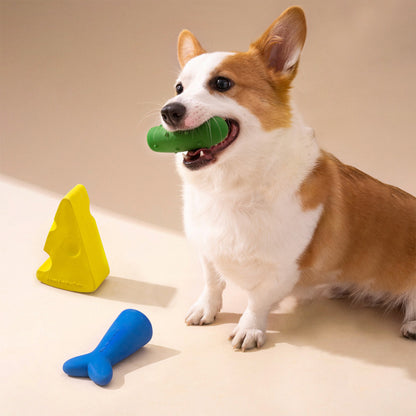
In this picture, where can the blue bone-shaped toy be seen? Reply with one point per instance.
(129, 332)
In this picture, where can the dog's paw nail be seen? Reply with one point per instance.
(246, 339)
(201, 315)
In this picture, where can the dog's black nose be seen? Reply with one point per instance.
(173, 114)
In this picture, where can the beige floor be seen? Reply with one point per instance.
(323, 358)
(82, 81)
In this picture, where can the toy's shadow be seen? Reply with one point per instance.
(133, 291)
(149, 354)
(337, 327)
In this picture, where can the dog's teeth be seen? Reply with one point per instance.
(202, 153)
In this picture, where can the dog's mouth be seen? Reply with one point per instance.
(196, 159)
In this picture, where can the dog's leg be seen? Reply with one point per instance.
(251, 329)
(205, 309)
(408, 328)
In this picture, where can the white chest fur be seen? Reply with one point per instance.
(249, 239)
(255, 228)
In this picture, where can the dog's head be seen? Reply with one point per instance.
(250, 90)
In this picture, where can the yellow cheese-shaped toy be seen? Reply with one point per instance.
(77, 259)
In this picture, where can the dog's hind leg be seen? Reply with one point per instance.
(408, 328)
(207, 306)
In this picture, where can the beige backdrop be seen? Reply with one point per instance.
(82, 81)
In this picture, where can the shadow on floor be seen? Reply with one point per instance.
(133, 291)
(147, 355)
(337, 327)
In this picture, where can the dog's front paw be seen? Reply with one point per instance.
(203, 312)
(247, 338)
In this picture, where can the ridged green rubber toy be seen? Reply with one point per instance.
(205, 136)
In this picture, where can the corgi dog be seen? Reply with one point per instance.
(268, 209)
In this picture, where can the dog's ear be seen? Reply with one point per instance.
(282, 43)
(188, 47)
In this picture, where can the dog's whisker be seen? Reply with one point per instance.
(152, 103)
(210, 132)
(153, 114)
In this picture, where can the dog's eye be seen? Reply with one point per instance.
(179, 88)
(221, 84)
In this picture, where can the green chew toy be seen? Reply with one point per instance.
(205, 136)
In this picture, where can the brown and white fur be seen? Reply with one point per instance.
(269, 210)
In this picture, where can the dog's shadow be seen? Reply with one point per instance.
(341, 328)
